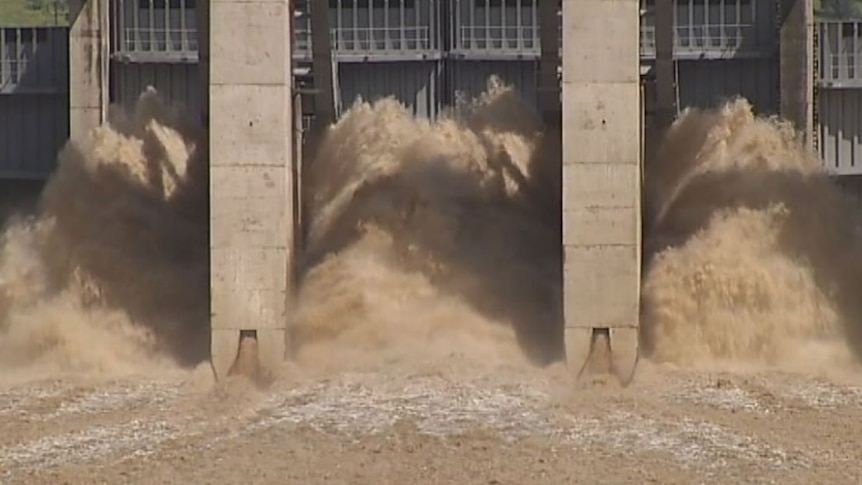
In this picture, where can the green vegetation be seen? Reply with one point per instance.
(838, 9)
(14, 13)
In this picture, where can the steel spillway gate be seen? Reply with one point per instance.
(34, 100)
(449, 47)
(839, 96)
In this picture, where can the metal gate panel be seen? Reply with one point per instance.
(154, 30)
(33, 128)
(706, 83)
(375, 30)
(715, 29)
(414, 83)
(839, 96)
(494, 27)
(34, 100)
(469, 78)
(33, 59)
(840, 54)
(840, 130)
(177, 83)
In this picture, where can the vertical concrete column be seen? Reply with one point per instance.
(549, 85)
(251, 184)
(797, 56)
(601, 180)
(88, 65)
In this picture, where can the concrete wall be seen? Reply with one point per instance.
(797, 65)
(34, 100)
(251, 176)
(601, 176)
(88, 65)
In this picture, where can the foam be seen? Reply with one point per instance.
(426, 239)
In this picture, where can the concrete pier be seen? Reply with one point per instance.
(797, 66)
(88, 65)
(251, 177)
(601, 180)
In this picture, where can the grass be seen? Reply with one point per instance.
(17, 13)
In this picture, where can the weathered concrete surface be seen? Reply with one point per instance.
(797, 66)
(251, 176)
(601, 177)
(88, 65)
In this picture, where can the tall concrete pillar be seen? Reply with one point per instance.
(601, 181)
(797, 56)
(251, 183)
(88, 65)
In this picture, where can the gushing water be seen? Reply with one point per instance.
(426, 238)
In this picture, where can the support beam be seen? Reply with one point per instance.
(321, 67)
(601, 181)
(797, 66)
(202, 16)
(88, 65)
(549, 82)
(323, 77)
(665, 71)
(251, 177)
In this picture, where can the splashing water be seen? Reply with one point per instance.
(430, 238)
(754, 249)
(111, 273)
(426, 236)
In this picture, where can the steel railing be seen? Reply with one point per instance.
(840, 53)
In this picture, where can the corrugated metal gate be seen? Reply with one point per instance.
(839, 97)
(176, 83)
(34, 100)
(708, 83)
(154, 43)
(414, 83)
(428, 54)
(469, 78)
(722, 49)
